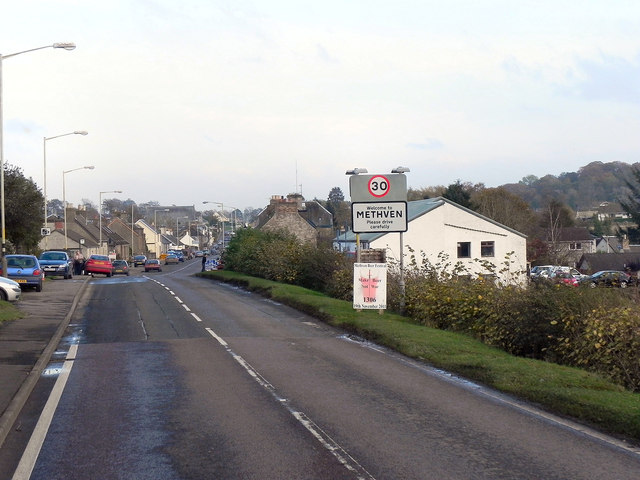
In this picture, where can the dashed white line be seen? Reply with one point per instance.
(219, 339)
(325, 440)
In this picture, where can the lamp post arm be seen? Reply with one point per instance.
(66, 46)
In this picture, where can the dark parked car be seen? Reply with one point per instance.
(121, 267)
(26, 270)
(56, 263)
(138, 260)
(152, 264)
(99, 264)
(608, 278)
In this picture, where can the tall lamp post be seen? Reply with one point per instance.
(234, 218)
(155, 225)
(44, 182)
(100, 214)
(177, 232)
(65, 46)
(64, 201)
(222, 211)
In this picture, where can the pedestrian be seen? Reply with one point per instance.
(78, 263)
(204, 261)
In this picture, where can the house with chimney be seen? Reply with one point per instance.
(309, 221)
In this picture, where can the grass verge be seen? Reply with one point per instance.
(8, 312)
(565, 391)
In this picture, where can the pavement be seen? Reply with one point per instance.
(27, 344)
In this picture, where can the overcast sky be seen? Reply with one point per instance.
(235, 101)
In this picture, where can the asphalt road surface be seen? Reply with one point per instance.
(170, 376)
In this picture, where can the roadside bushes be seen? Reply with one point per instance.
(594, 329)
(279, 256)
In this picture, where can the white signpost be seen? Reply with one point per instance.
(379, 204)
(370, 286)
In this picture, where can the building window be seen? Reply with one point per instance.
(575, 246)
(487, 249)
(464, 249)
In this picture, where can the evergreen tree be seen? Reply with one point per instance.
(24, 210)
(459, 193)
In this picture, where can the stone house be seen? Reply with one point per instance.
(310, 222)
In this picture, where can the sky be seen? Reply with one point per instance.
(235, 101)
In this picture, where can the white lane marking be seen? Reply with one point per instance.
(214, 335)
(325, 440)
(186, 308)
(177, 298)
(30, 455)
(196, 317)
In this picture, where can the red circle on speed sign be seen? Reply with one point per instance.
(379, 186)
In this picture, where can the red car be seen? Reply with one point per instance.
(152, 264)
(99, 264)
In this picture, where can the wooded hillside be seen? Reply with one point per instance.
(589, 186)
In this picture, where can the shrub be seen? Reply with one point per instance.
(607, 341)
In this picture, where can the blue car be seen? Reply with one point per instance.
(26, 270)
(56, 263)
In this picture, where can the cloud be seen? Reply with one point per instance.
(429, 144)
(609, 79)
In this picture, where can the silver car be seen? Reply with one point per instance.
(9, 290)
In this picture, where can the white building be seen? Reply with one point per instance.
(441, 229)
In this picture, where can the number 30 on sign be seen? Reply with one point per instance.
(378, 186)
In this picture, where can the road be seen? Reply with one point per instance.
(171, 376)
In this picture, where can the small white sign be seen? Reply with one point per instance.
(379, 217)
(370, 286)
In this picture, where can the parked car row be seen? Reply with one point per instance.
(572, 277)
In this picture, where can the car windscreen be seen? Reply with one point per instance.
(53, 256)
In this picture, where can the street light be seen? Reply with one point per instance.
(44, 182)
(100, 214)
(234, 218)
(65, 46)
(222, 210)
(155, 225)
(64, 201)
(177, 233)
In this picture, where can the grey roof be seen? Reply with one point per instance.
(595, 262)
(416, 209)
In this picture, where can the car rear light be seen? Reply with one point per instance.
(37, 272)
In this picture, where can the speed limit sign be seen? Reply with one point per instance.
(390, 187)
(379, 186)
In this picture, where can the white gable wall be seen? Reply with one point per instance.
(439, 231)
